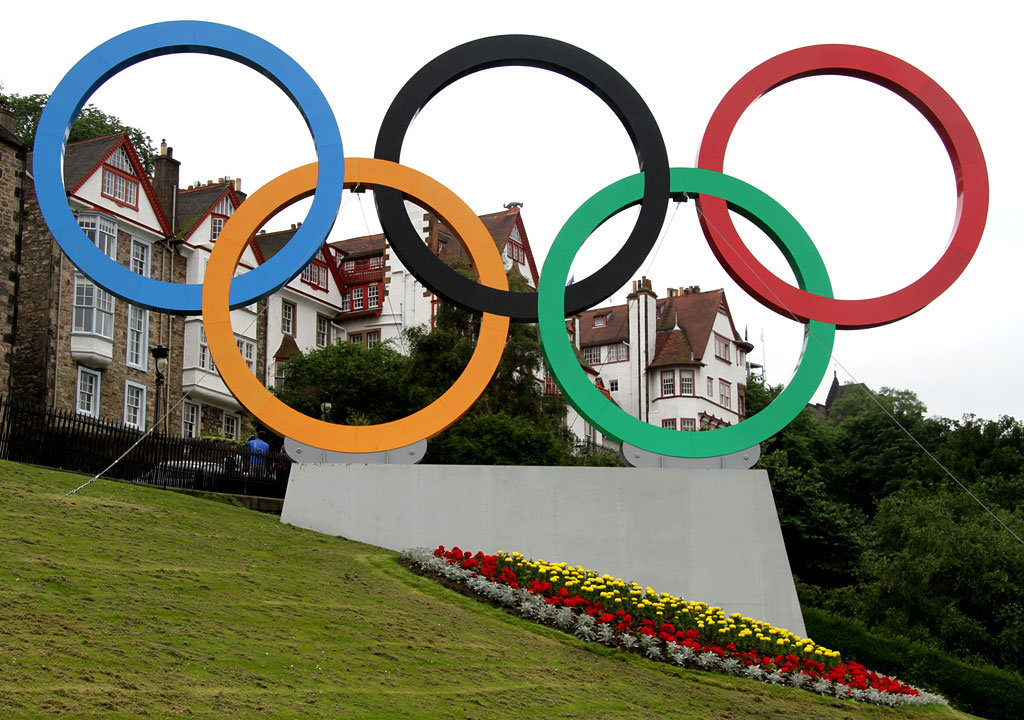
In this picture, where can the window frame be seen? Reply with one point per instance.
(238, 425)
(142, 344)
(289, 321)
(140, 424)
(120, 182)
(372, 338)
(247, 348)
(668, 424)
(323, 329)
(97, 384)
(722, 346)
(197, 428)
(725, 393)
(670, 376)
(613, 385)
(686, 373)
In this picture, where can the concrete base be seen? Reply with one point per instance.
(706, 535)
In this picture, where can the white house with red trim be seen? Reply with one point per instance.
(677, 362)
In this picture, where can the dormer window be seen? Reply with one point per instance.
(516, 251)
(600, 320)
(219, 216)
(315, 273)
(119, 183)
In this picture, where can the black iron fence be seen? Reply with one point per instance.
(68, 441)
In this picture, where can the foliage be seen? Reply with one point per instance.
(876, 530)
(91, 122)
(512, 423)
(940, 569)
(365, 386)
(986, 691)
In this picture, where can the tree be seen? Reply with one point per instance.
(91, 122)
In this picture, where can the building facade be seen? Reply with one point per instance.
(12, 207)
(676, 362)
(77, 347)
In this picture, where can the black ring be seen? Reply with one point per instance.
(575, 64)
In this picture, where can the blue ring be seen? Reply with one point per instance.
(170, 38)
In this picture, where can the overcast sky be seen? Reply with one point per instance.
(856, 165)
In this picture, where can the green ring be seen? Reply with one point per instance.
(616, 423)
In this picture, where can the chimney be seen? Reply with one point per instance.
(165, 182)
(7, 120)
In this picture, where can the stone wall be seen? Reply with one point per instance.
(12, 173)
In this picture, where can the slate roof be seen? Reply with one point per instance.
(359, 247)
(615, 329)
(271, 242)
(193, 205)
(81, 157)
(10, 138)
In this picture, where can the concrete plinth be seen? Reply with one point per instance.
(706, 535)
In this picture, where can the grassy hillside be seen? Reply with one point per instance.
(124, 602)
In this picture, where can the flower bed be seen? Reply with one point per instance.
(600, 608)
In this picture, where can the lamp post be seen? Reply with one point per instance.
(159, 354)
(325, 406)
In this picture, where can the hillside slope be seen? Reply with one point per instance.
(122, 602)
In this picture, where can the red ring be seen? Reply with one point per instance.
(931, 101)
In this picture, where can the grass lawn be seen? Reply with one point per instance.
(127, 602)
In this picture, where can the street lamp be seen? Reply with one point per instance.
(325, 406)
(159, 354)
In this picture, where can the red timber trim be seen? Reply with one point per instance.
(693, 420)
(529, 253)
(256, 250)
(229, 191)
(93, 207)
(330, 254)
(141, 178)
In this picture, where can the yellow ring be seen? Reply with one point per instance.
(295, 185)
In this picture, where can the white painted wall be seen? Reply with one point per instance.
(706, 535)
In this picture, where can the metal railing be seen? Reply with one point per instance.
(66, 440)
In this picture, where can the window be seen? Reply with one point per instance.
(372, 338)
(619, 351)
(711, 387)
(205, 358)
(315, 273)
(135, 405)
(741, 403)
(287, 317)
(357, 298)
(219, 216)
(669, 424)
(323, 333)
(248, 350)
(346, 303)
(668, 383)
(688, 424)
(119, 179)
(372, 296)
(279, 373)
(190, 420)
(139, 257)
(138, 340)
(600, 320)
(88, 402)
(592, 354)
(232, 423)
(721, 348)
(724, 394)
(516, 251)
(94, 307)
(613, 385)
(741, 358)
(686, 382)
(355, 338)
(121, 161)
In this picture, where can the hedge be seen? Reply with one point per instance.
(986, 691)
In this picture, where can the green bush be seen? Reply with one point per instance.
(986, 691)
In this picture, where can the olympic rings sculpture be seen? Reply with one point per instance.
(812, 302)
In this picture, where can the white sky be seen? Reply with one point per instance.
(856, 165)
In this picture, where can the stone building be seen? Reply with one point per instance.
(77, 347)
(12, 180)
